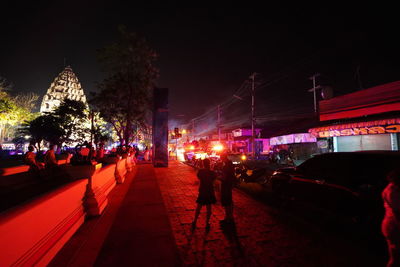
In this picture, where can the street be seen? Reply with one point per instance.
(264, 235)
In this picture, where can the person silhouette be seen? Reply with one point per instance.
(50, 158)
(228, 180)
(206, 194)
(30, 159)
(391, 220)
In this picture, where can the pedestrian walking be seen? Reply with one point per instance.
(228, 181)
(391, 220)
(206, 192)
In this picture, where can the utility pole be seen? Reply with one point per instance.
(252, 77)
(219, 123)
(193, 130)
(314, 89)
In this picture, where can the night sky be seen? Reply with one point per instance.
(205, 55)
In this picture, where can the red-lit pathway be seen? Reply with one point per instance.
(148, 223)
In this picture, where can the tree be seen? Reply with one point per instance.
(67, 123)
(10, 113)
(45, 127)
(27, 101)
(14, 110)
(72, 117)
(5, 86)
(124, 97)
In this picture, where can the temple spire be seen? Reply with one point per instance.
(65, 85)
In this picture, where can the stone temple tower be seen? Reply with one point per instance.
(65, 85)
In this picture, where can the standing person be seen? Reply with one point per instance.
(228, 180)
(85, 150)
(50, 162)
(206, 192)
(391, 221)
(146, 154)
(136, 152)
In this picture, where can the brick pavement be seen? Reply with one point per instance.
(263, 236)
(157, 205)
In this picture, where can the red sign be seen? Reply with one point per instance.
(358, 131)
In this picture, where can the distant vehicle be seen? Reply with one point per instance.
(237, 158)
(346, 183)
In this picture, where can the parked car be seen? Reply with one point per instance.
(347, 183)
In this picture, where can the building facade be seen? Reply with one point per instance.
(65, 85)
(364, 120)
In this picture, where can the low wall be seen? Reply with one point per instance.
(33, 233)
(20, 175)
(14, 170)
(24, 168)
(99, 186)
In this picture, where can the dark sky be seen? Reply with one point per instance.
(206, 54)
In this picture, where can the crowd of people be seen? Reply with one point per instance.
(82, 154)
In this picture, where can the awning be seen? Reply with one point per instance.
(375, 100)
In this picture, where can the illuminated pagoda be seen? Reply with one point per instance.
(65, 85)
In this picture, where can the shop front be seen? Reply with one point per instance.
(364, 120)
(359, 136)
(293, 147)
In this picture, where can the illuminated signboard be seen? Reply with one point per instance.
(358, 131)
(245, 132)
(292, 139)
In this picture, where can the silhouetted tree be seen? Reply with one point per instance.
(45, 127)
(124, 97)
(72, 116)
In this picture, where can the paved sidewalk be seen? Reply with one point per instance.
(148, 223)
(134, 229)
